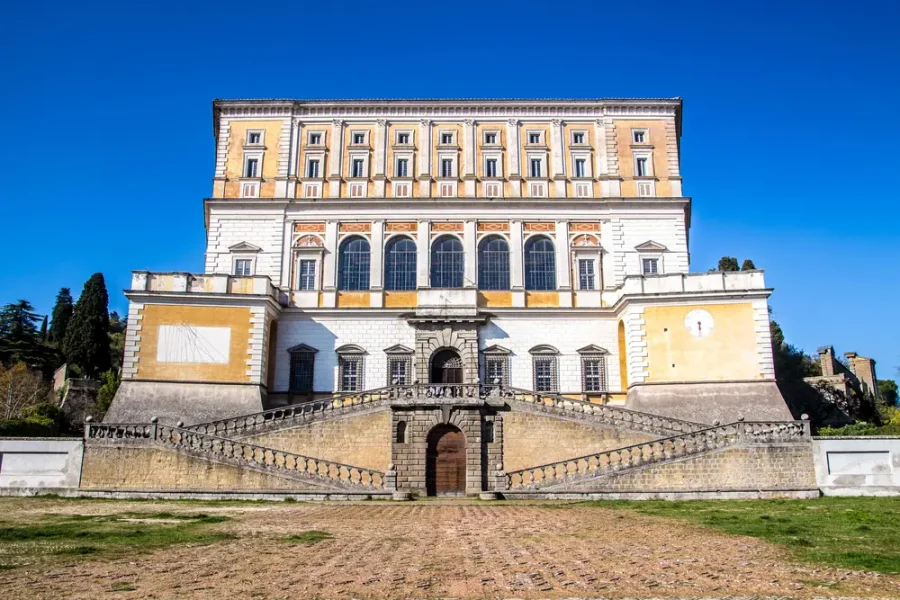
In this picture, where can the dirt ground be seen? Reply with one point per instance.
(432, 549)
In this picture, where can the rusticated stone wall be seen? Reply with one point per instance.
(358, 440)
(770, 467)
(531, 440)
(153, 468)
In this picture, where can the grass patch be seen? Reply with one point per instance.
(308, 537)
(106, 535)
(123, 587)
(855, 533)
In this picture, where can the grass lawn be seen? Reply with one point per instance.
(58, 535)
(856, 533)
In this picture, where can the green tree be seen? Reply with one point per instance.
(61, 315)
(748, 265)
(887, 389)
(44, 329)
(107, 391)
(728, 263)
(87, 339)
(19, 337)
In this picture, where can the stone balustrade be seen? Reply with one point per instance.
(656, 451)
(329, 472)
(616, 416)
(213, 283)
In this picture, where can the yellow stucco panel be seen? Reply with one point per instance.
(237, 319)
(353, 299)
(234, 161)
(397, 299)
(541, 299)
(727, 353)
(497, 299)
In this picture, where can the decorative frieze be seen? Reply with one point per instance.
(400, 226)
(309, 227)
(536, 226)
(355, 227)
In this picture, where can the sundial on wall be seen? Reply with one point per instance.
(699, 323)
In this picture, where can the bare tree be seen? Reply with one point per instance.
(20, 388)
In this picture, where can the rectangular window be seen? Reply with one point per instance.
(585, 274)
(490, 167)
(492, 190)
(593, 373)
(315, 139)
(639, 136)
(359, 138)
(545, 374)
(402, 168)
(357, 168)
(251, 169)
(650, 266)
(254, 137)
(446, 138)
(302, 366)
(402, 138)
(243, 267)
(534, 138)
(538, 190)
(578, 138)
(448, 190)
(357, 190)
(535, 167)
(351, 373)
(249, 189)
(583, 190)
(579, 167)
(401, 190)
(312, 168)
(446, 167)
(640, 167)
(399, 368)
(496, 371)
(311, 190)
(490, 139)
(307, 274)
(646, 188)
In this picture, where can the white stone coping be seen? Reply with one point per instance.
(207, 283)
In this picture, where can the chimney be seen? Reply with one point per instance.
(826, 358)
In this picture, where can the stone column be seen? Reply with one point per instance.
(470, 274)
(470, 169)
(424, 158)
(515, 167)
(563, 271)
(380, 157)
(329, 264)
(516, 264)
(557, 152)
(423, 248)
(376, 264)
(336, 149)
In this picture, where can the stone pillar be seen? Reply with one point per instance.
(516, 263)
(380, 157)
(377, 262)
(423, 254)
(337, 157)
(329, 264)
(563, 270)
(470, 274)
(424, 158)
(826, 359)
(470, 170)
(515, 166)
(864, 369)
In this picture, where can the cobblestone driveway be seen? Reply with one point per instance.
(444, 550)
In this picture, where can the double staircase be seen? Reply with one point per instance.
(220, 440)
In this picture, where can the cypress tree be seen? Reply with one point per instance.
(87, 342)
(747, 265)
(728, 263)
(61, 315)
(44, 329)
(19, 337)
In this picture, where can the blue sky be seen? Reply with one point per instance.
(790, 145)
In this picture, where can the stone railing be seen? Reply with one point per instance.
(329, 472)
(286, 416)
(438, 391)
(657, 451)
(614, 415)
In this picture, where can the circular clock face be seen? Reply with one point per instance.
(699, 323)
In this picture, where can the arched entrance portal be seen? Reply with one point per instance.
(446, 367)
(445, 470)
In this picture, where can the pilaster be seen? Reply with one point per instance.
(423, 249)
(376, 268)
(470, 275)
(337, 158)
(380, 157)
(425, 158)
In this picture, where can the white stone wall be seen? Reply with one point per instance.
(40, 463)
(519, 335)
(329, 333)
(265, 231)
(857, 466)
(567, 335)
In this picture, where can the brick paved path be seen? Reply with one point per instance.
(444, 550)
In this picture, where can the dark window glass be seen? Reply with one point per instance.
(447, 263)
(353, 265)
(545, 374)
(351, 373)
(586, 274)
(302, 364)
(594, 373)
(493, 264)
(540, 264)
(400, 264)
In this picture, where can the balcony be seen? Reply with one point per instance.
(257, 285)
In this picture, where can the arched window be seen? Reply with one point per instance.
(540, 264)
(401, 432)
(400, 264)
(447, 263)
(353, 264)
(493, 264)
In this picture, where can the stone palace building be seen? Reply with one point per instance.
(447, 296)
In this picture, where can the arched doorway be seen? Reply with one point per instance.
(446, 367)
(445, 470)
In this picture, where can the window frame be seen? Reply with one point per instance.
(448, 277)
(485, 261)
(250, 261)
(585, 140)
(251, 132)
(347, 360)
(399, 358)
(442, 134)
(640, 131)
(354, 134)
(549, 355)
(256, 156)
(318, 162)
(600, 358)
(496, 355)
(528, 261)
(401, 132)
(490, 132)
(298, 353)
(361, 274)
(300, 276)
(657, 261)
(529, 134)
(311, 142)
(409, 275)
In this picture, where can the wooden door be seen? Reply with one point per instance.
(446, 464)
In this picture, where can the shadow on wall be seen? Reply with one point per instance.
(312, 333)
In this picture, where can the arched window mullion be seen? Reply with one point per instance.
(447, 263)
(354, 258)
(540, 264)
(400, 264)
(493, 264)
